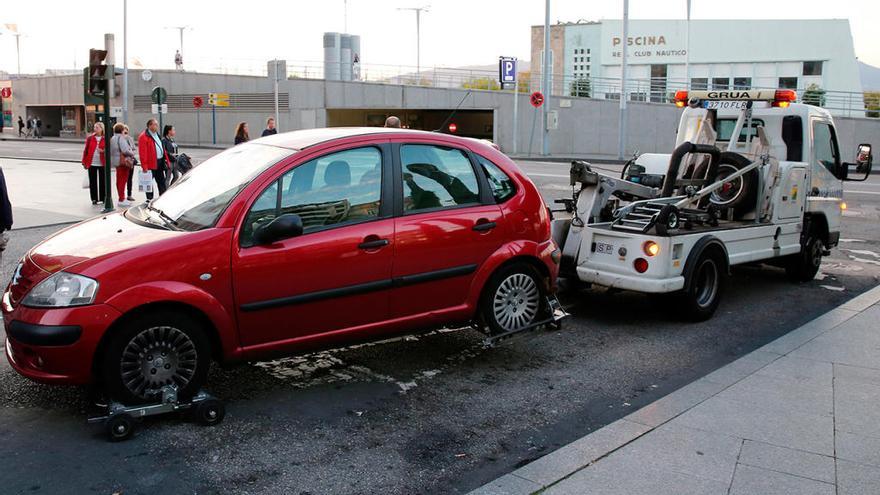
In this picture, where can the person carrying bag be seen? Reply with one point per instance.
(122, 159)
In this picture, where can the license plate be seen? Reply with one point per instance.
(603, 248)
(724, 105)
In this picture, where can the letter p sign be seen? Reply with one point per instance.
(507, 70)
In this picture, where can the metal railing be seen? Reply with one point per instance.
(662, 91)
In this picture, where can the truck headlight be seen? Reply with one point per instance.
(62, 290)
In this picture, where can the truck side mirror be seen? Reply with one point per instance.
(862, 166)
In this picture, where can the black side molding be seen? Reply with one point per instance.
(43, 335)
(352, 290)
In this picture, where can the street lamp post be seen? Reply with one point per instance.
(418, 11)
(125, 61)
(621, 136)
(545, 149)
(181, 29)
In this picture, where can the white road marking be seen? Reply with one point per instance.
(559, 176)
(848, 191)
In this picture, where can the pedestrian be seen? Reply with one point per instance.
(30, 124)
(270, 128)
(20, 126)
(38, 125)
(178, 60)
(152, 155)
(93, 161)
(122, 159)
(392, 121)
(5, 212)
(127, 135)
(171, 172)
(241, 133)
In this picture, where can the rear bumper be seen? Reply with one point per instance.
(638, 283)
(55, 345)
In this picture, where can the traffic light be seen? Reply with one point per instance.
(97, 75)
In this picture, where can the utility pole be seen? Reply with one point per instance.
(418, 11)
(345, 16)
(17, 52)
(621, 131)
(125, 61)
(687, 49)
(547, 89)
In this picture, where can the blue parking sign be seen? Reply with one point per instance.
(507, 70)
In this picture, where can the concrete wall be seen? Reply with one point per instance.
(586, 126)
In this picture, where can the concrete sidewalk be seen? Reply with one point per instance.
(800, 415)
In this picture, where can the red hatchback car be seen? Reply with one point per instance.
(294, 242)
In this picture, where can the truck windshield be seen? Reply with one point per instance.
(724, 128)
(199, 197)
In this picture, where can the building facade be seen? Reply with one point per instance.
(667, 55)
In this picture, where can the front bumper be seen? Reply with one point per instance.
(55, 345)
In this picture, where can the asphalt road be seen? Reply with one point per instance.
(434, 413)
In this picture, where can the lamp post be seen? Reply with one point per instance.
(545, 149)
(181, 29)
(621, 131)
(418, 11)
(125, 61)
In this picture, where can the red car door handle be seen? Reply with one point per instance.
(484, 225)
(372, 242)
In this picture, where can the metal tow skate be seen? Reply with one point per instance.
(556, 314)
(119, 422)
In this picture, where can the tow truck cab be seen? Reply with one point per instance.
(754, 177)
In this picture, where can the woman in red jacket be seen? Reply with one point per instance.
(94, 162)
(152, 155)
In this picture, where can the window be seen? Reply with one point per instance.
(720, 83)
(825, 146)
(742, 83)
(813, 68)
(335, 189)
(436, 177)
(658, 83)
(501, 185)
(640, 96)
(699, 83)
(788, 82)
(201, 196)
(724, 128)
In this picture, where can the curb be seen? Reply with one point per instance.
(569, 459)
(39, 159)
(81, 141)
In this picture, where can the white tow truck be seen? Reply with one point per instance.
(754, 177)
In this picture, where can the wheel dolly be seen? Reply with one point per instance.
(119, 422)
(556, 313)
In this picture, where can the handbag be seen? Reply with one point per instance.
(145, 181)
(85, 182)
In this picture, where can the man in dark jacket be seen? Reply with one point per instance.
(270, 128)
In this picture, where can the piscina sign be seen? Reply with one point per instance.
(645, 44)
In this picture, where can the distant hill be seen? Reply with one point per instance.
(870, 77)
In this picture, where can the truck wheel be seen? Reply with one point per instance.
(512, 299)
(154, 350)
(803, 266)
(741, 193)
(703, 288)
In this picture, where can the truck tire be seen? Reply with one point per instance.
(512, 299)
(152, 350)
(742, 193)
(803, 266)
(703, 288)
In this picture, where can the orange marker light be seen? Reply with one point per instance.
(651, 248)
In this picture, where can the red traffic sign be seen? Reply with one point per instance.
(198, 101)
(537, 99)
(453, 127)
(6, 92)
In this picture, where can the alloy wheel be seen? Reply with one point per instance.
(516, 302)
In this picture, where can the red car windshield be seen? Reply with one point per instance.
(199, 197)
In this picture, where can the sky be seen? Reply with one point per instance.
(244, 34)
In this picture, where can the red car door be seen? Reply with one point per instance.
(336, 276)
(447, 226)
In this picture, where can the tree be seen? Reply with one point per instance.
(524, 81)
(872, 104)
(581, 88)
(814, 95)
(481, 83)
